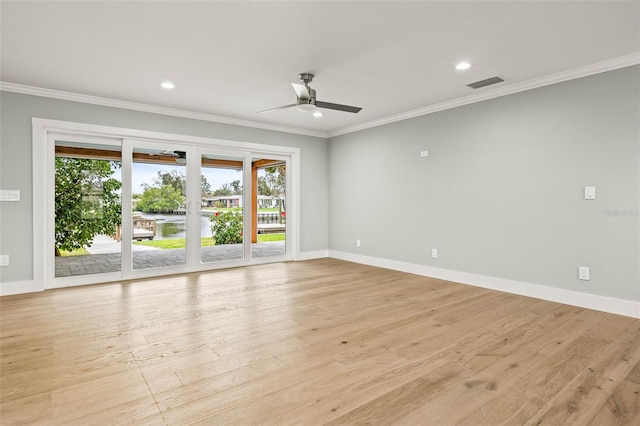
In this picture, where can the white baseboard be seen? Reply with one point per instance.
(18, 287)
(590, 301)
(309, 255)
(584, 300)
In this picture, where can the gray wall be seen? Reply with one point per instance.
(16, 111)
(501, 193)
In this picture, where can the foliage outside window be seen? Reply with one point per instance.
(87, 201)
(166, 195)
(227, 227)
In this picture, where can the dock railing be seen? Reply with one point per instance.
(143, 228)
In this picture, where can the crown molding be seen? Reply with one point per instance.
(584, 71)
(115, 103)
(572, 74)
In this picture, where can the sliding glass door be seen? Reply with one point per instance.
(86, 206)
(269, 196)
(159, 203)
(187, 207)
(125, 208)
(222, 207)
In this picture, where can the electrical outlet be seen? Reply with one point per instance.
(358, 243)
(589, 192)
(4, 260)
(583, 273)
(434, 253)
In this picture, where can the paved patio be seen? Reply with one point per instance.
(104, 261)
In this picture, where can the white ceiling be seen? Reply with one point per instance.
(232, 59)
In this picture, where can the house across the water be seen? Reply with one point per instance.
(232, 201)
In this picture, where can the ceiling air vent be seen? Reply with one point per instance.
(487, 82)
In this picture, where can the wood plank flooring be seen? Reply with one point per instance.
(311, 343)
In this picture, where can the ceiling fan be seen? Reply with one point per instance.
(306, 98)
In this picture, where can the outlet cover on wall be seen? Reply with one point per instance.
(589, 192)
(358, 243)
(9, 195)
(4, 260)
(434, 253)
(583, 273)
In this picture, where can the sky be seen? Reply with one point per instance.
(145, 173)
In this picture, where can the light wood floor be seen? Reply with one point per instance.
(310, 343)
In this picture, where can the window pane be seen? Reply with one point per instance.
(158, 179)
(88, 209)
(221, 230)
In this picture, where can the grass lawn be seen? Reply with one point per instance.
(172, 243)
(267, 238)
(79, 252)
(176, 243)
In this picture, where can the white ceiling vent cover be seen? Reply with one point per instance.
(487, 82)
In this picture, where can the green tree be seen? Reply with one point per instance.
(225, 189)
(87, 201)
(173, 178)
(162, 199)
(273, 182)
(232, 188)
(263, 186)
(166, 195)
(236, 187)
(206, 187)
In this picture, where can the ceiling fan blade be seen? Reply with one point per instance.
(277, 108)
(339, 107)
(302, 91)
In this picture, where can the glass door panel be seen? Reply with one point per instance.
(120, 208)
(269, 202)
(222, 208)
(159, 207)
(87, 211)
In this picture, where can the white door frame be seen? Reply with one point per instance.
(42, 204)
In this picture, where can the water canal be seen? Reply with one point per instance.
(174, 225)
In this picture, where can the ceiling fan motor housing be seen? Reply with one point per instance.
(306, 77)
(308, 105)
(311, 100)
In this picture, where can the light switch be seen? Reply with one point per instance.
(9, 195)
(589, 192)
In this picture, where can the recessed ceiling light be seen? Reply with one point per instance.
(317, 114)
(463, 66)
(167, 85)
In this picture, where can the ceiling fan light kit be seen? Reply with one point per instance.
(306, 98)
(306, 107)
